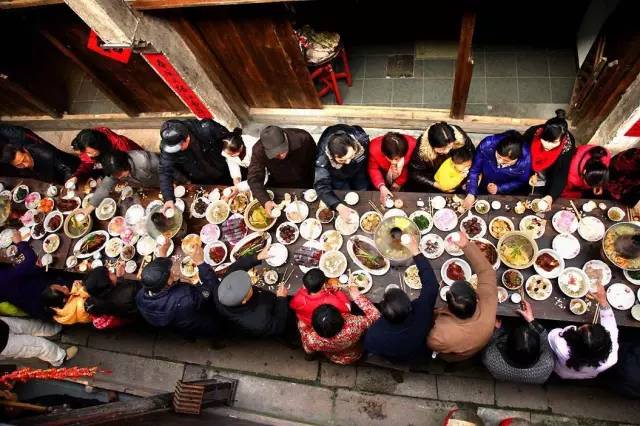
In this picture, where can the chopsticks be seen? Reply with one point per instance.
(285, 277)
(372, 204)
(430, 206)
(575, 210)
(596, 315)
(402, 284)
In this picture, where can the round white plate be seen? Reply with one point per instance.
(417, 213)
(630, 279)
(51, 243)
(152, 205)
(445, 219)
(483, 225)
(414, 284)
(49, 217)
(465, 268)
(620, 296)
(106, 209)
(565, 222)
(209, 233)
(207, 254)
(566, 245)
(279, 238)
(555, 273)
(591, 229)
(434, 238)
(331, 240)
(337, 257)
(504, 218)
(193, 211)
(538, 296)
(156, 251)
(577, 273)
(278, 255)
(606, 272)
(536, 231)
(146, 245)
(438, 202)
(221, 207)
(114, 247)
(369, 284)
(347, 228)
(450, 247)
(297, 210)
(310, 229)
(6, 238)
(134, 214)
(367, 214)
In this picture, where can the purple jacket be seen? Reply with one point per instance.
(509, 179)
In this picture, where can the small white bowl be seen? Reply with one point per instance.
(516, 298)
(635, 312)
(179, 191)
(352, 198)
(310, 195)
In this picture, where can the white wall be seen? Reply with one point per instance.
(594, 17)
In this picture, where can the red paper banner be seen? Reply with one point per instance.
(120, 55)
(634, 131)
(163, 67)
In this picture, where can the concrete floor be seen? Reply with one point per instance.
(512, 81)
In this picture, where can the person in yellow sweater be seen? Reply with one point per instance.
(454, 170)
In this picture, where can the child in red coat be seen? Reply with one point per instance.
(313, 294)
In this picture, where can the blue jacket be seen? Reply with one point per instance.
(22, 284)
(407, 341)
(509, 179)
(185, 308)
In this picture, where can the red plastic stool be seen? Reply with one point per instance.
(325, 73)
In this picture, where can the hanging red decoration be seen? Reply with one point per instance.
(121, 55)
(26, 374)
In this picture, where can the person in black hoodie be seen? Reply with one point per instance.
(24, 154)
(110, 293)
(194, 147)
(400, 334)
(552, 147)
(341, 163)
(250, 311)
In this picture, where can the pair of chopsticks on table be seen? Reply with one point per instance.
(596, 315)
(575, 210)
(375, 208)
(285, 277)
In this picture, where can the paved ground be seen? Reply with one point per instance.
(278, 382)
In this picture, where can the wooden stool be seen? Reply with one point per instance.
(328, 77)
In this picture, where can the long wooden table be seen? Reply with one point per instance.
(554, 308)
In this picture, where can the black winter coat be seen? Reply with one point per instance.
(202, 162)
(325, 173)
(49, 163)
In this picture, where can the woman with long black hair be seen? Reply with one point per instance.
(433, 148)
(588, 173)
(552, 147)
(586, 351)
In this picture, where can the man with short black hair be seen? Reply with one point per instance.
(24, 154)
(400, 333)
(314, 293)
(193, 147)
(466, 325)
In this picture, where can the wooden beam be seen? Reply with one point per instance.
(16, 4)
(387, 118)
(171, 4)
(464, 65)
(32, 98)
(115, 98)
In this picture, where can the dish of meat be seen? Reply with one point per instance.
(287, 233)
(489, 250)
(308, 256)
(432, 246)
(548, 263)
(251, 244)
(364, 253)
(215, 253)
(473, 226)
(90, 244)
(455, 270)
